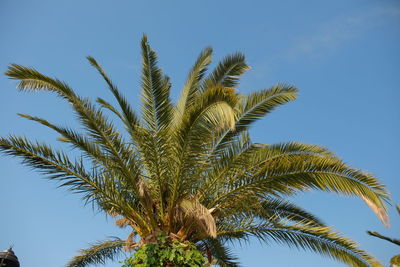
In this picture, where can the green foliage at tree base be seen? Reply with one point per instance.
(166, 253)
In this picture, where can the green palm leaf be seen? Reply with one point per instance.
(156, 108)
(283, 210)
(287, 172)
(318, 239)
(191, 90)
(254, 107)
(129, 117)
(227, 73)
(95, 187)
(220, 253)
(98, 253)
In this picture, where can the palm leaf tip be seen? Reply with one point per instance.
(378, 210)
(92, 61)
(15, 71)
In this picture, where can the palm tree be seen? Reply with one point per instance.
(189, 169)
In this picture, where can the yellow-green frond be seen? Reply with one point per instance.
(98, 253)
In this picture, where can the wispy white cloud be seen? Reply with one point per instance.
(340, 30)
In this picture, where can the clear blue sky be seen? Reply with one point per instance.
(343, 55)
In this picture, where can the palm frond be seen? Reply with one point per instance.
(157, 115)
(155, 153)
(129, 117)
(287, 173)
(98, 127)
(57, 166)
(214, 109)
(221, 254)
(105, 104)
(256, 106)
(31, 79)
(91, 149)
(191, 90)
(260, 103)
(156, 105)
(227, 73)
(378, 235)
(283, 210)
(378, 210)
(193, 153)
(241, 157)
(98, 253)
(192, 139)
(197, 219)
(322, 240)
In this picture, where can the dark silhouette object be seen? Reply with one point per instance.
(8, 258)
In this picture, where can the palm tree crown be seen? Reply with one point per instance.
(189, 169)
